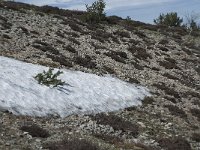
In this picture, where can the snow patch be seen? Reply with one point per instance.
(84, 93)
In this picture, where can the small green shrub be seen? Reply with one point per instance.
(170, 20)
(95, 12)
(49, 78)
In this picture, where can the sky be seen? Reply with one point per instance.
(140, 10)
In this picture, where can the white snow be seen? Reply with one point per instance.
(84, 93)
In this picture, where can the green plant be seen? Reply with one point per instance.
(95, 12)
(49, 78)
(170, 20)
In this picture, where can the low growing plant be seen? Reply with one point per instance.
(49, 78)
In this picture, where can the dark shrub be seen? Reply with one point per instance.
(113, 19)
(70, 49)
(168, 65)
(171, 99)
(140, 34)
(109, 70)
(163, 48)
(117, 56)
(35, 131)
(196, 137)
(147, 100)
(6, 36)
(133, 80)
(85, 62)
(73, 40)
(122, 33)
(62, 60)
(163, 42)
(169, 76)
(195, 112)
(139, 52)
(167, 90)
(176, 111)
(117, 123)
(177, 143)
(96, 46)
(137, 66)
(58, 33)
(71, 144)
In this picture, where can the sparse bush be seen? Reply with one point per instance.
(95, 12)
(170, 20)
(49, 78)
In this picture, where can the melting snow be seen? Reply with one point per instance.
(84, 93)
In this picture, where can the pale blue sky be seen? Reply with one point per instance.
(141, 10)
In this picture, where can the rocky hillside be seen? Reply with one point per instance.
(166, 60)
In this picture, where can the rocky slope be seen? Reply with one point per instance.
(166, 60)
